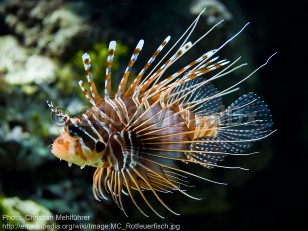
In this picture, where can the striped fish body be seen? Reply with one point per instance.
(136, 136)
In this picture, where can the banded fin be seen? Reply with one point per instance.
(137, 80)
(186, 94)
(130, 64)
(87, 66)
(111, 50)
(143, 87)
(162, 85)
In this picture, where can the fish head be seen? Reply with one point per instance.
(75, 146)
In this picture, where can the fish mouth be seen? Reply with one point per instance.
(64, 155)
(62, 150)
(59, 153)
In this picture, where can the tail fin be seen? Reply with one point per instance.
(246, 120)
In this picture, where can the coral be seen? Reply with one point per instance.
(50, 27)
(24, 212)
(215, 10)
(22, 67)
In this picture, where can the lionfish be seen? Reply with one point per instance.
(136, 137)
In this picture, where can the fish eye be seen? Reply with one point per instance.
(100, 146)
(75, 131)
